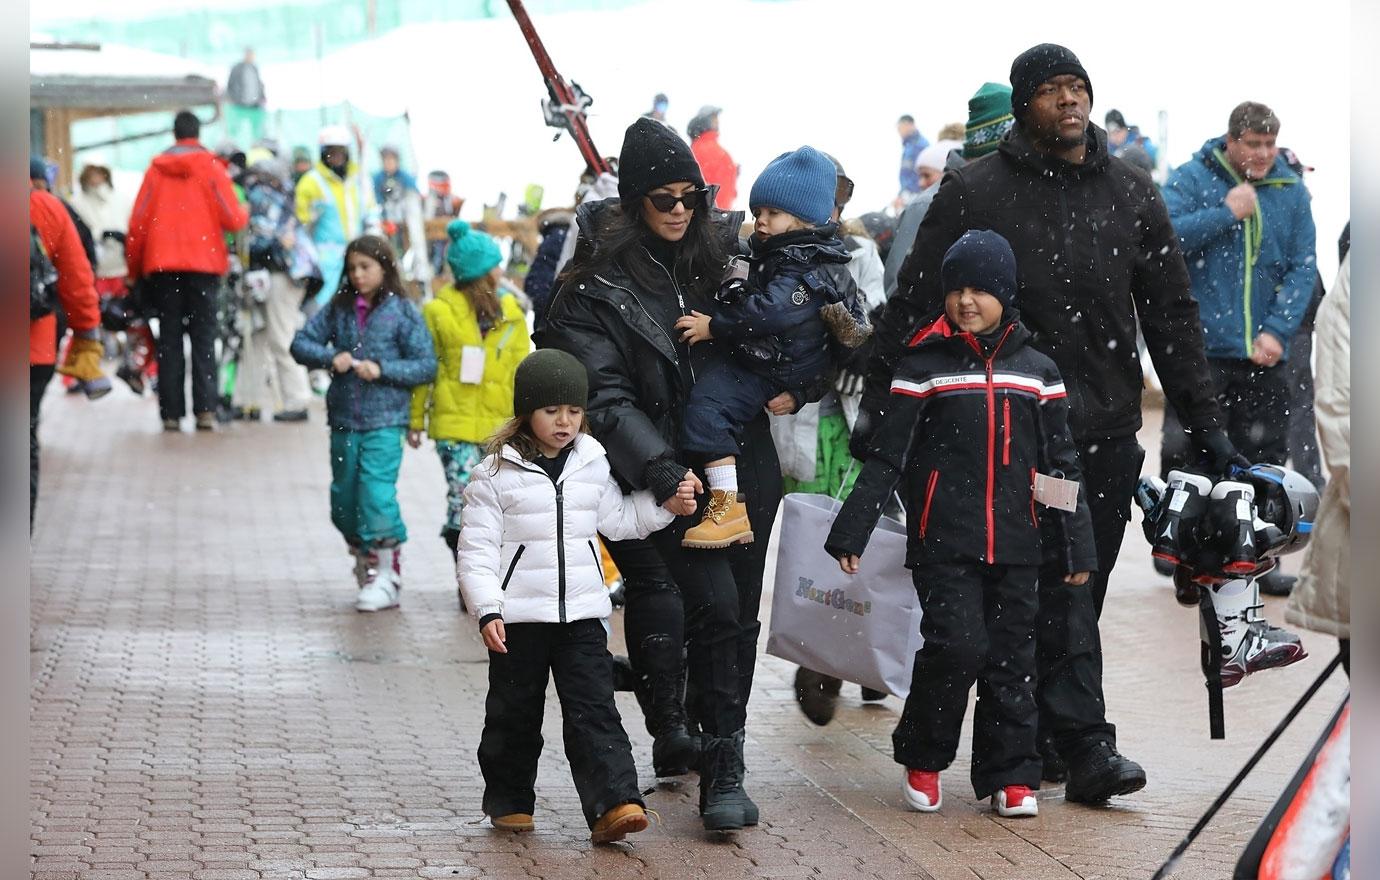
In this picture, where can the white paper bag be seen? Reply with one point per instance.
(863, 628)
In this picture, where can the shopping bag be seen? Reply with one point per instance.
(863, 628)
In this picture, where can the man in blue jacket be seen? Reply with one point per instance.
(1244, 222)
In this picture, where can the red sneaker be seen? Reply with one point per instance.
(921, 789)
(1015, 800)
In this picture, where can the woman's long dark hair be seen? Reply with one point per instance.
(375, 248)
(621, 238)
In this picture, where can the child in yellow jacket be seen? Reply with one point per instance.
(480, 335)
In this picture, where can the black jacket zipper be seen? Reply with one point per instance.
(512, 566)
(690, 361)
(560, 549)
(675, 358)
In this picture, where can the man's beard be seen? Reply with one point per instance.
(1056, 143)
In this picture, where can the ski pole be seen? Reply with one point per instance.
(1171, 863)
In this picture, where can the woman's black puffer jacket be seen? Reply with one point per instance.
(639, 372)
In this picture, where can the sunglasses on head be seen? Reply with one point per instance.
(693, 200)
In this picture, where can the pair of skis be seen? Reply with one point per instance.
(567, 102)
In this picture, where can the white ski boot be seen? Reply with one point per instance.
(1249, 642)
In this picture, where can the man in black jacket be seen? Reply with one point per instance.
(1095, 249)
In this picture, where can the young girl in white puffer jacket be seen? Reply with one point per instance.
(529, 570)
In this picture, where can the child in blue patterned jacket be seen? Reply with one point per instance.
(377, 344)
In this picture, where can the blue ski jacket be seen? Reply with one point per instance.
(1247, 275)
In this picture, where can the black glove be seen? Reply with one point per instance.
(860, 441)
(1220, 454)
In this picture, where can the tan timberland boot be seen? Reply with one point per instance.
(725, 522)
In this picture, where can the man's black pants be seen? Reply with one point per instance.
(39, 377)
(1255, 401)
(596, 745)
(1073, 711)
(185, 302)
(979, 625)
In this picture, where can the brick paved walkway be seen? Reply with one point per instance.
(206, 704)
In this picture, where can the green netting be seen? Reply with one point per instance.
(288, 32)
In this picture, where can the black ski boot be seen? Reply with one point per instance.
(659, 688)
(724, 806)
(1186, 499)
(1230, 526)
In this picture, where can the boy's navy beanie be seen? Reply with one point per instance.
(983, 260)
(801, 183)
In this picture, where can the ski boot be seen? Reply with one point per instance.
(1185, 500)
(1249, 642)
(1229, 527)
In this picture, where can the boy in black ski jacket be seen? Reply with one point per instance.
(778, 321)
(974, 414)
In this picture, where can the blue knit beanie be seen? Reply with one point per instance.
(800, 183)
(471, 253)
(983, 260)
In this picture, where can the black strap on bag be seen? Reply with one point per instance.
(43, 276)
(1211, 658)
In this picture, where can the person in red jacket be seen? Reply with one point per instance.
(176, 249)
(76, 296)
(716, 165)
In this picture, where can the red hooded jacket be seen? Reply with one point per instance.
(184, 208)
(717, 167)
(76, 283)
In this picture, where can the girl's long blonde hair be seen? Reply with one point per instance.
(517, 433)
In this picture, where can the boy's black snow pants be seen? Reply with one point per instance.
(596, 745)
(978, 625)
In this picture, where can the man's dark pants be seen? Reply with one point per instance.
(185, 302)
(1255, 402)
(978, 622)
(1069, 648)
(39, 377)
(596, 745)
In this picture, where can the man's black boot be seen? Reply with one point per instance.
(1101, 773)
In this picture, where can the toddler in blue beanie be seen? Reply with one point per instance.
(778, 311)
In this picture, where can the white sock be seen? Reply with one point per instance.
(724, 477)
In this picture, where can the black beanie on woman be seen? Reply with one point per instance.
(653, 155)
(1037, 65)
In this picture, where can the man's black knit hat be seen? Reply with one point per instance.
(653, 155)
(983, 260)
(1039, 64)
(549, 377)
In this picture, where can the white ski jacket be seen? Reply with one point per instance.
(527, 546)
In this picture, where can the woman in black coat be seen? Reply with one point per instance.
(644, 259)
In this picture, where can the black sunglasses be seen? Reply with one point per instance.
(693, 200)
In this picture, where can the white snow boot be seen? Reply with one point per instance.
(383, 581)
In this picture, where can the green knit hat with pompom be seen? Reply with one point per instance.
(471, 254)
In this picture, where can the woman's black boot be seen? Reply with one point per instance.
(659, 688)
(724, 805)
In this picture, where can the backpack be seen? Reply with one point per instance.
(42, 278)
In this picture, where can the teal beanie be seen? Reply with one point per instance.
(471, 253)
(801, 183)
